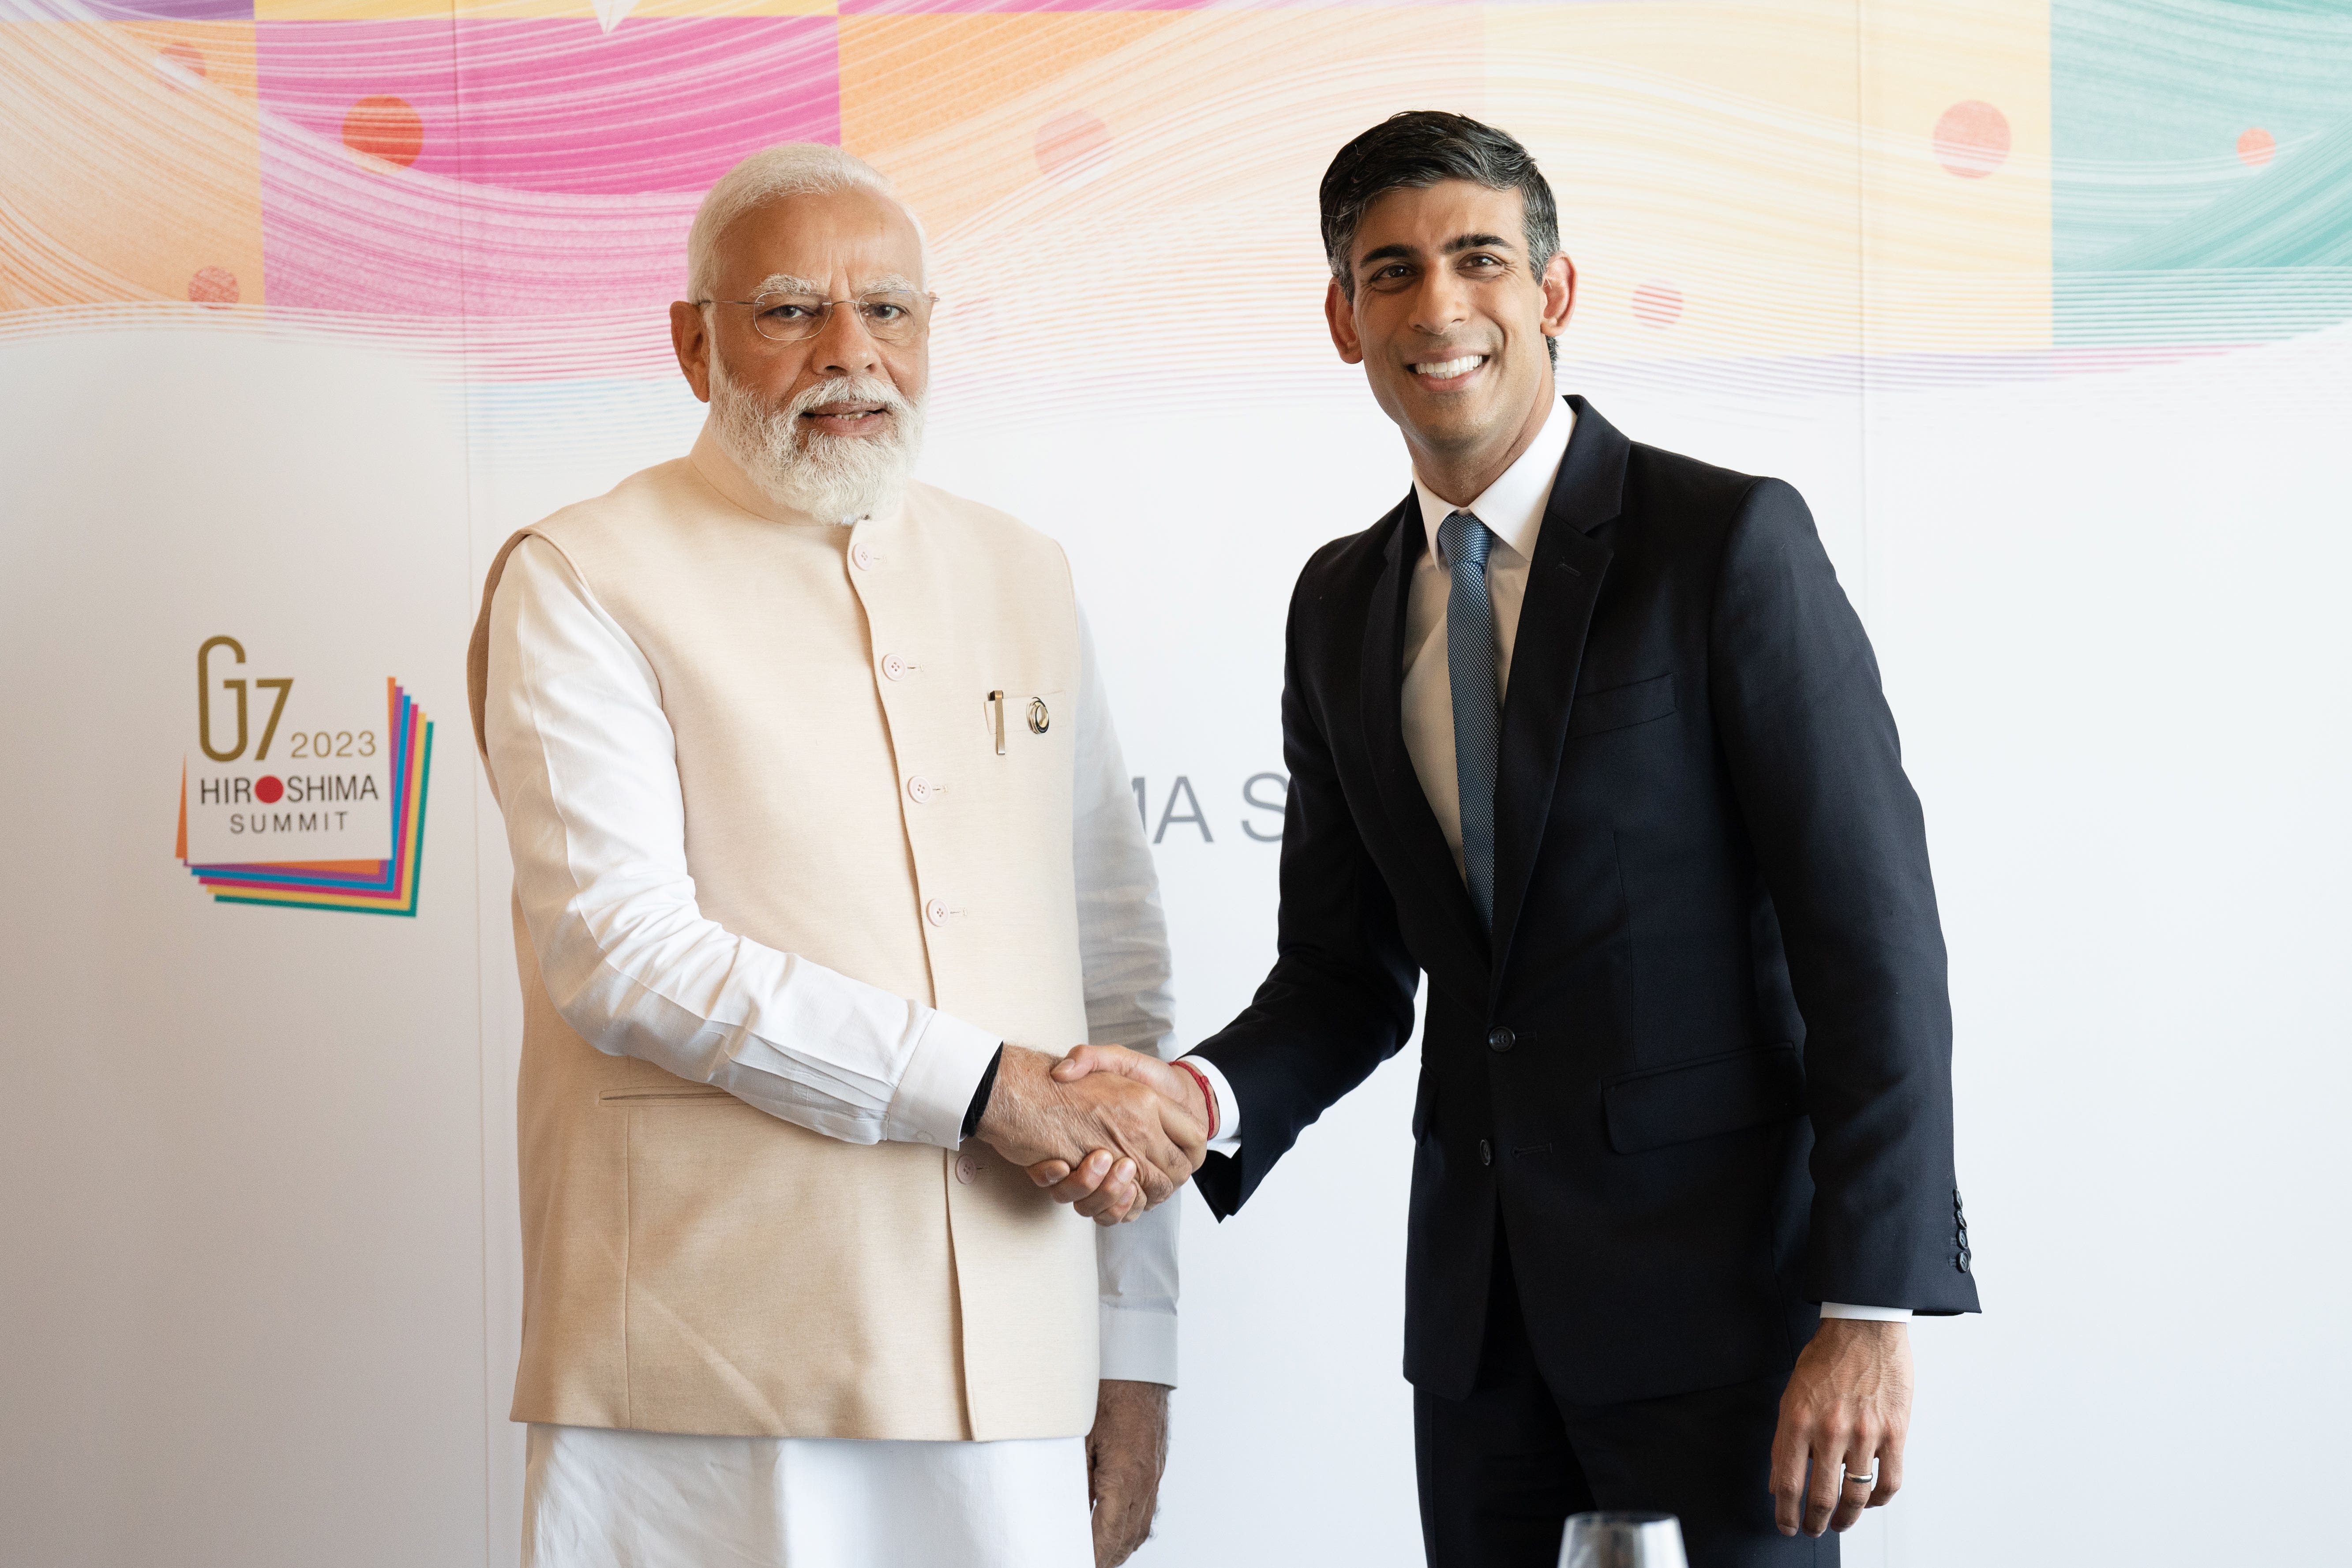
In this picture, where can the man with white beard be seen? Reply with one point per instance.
(824, 854)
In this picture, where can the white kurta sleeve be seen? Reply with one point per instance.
(587, 775)
(1123, 948)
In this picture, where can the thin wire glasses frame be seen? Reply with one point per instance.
(888, 315)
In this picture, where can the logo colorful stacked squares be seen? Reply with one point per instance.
(385, 887)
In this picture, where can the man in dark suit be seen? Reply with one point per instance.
(1588, 733)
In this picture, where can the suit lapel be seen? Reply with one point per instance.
(1563, 585)
(1380, 682)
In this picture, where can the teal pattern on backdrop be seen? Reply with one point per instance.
(2202, 186)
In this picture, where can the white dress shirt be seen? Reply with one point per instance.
(1512, 508)
(575, 727)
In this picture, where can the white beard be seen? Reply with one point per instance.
(836, 478)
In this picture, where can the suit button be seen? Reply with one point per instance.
(967, 1168)
(1486, 1152)
(863, 555)
(895, 665)
(919, 789)
(937, 913)
(1500, 1039)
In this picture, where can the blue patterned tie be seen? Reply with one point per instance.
(1470, 667)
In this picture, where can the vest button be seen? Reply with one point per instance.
(1500, 1039)
(894, 667)
(863, 557)
(935, 912)
(967, 1168)
(1486, 1152)
(920, 789)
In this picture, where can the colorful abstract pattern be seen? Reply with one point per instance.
(2203, 188)
(1746, 183)
(386, 887)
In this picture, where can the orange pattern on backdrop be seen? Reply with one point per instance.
(133, 165)
(1088, 199)
(905, 80)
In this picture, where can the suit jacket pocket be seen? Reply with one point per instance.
(1615, 707)
(1703, 1098)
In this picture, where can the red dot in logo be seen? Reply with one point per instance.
(268, 789)
(2256, 146)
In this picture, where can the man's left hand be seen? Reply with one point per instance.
(1125, 1455)
(1844, 1414)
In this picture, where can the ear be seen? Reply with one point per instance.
(689, 335)
(1558, 294)
(1341, 315)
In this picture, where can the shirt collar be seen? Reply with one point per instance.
(1512, 508)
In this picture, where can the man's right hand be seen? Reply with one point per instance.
(1100, 1184)
(1038, 1116)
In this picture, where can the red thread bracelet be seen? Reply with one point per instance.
(1207, 1094)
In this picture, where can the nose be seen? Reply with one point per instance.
(1441, 304)
(844, 346)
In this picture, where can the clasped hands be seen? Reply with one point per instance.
(1111, 1130)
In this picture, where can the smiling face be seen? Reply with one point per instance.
(829, 424)
(1448, 319)
(845, 243)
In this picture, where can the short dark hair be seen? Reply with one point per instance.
(1418, 149)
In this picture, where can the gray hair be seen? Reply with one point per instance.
(793, 169)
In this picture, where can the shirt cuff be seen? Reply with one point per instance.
(1139, 1345)
(941, 1078)
(1866, 1314)
(1228, 1140)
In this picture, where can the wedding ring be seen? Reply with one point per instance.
(1869, 1481)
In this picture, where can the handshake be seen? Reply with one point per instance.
(1112, 1131)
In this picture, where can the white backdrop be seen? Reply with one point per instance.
(258, 1248)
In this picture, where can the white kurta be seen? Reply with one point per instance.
(834, 1055)
(656, 1500)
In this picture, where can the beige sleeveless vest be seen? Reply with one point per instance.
(692, 1264)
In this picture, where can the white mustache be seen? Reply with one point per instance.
(847, 389)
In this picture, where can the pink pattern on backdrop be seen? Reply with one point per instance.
(974, 7)
(660, 104)
(568, 183)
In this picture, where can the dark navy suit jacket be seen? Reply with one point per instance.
(1701, 1072)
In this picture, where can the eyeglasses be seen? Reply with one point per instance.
(889, 315)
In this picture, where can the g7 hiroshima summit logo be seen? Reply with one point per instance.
(325, 810)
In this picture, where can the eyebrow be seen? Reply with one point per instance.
(786, 283)
(1455, 247)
